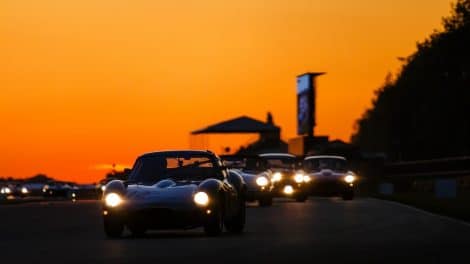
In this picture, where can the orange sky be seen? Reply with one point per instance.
(87, 83)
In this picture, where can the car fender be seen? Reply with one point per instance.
(212, 187)
(115, 186)
(237, 181)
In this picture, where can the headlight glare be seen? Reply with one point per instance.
(262, 181)
(288, 189)
(24, 190)
(277, 176)
(307, 178)
(113, 199)
(349, 179)
(299, 178)
(201, 198)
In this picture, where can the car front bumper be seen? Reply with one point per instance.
(333, 187)
(160, 217)
(281, 189)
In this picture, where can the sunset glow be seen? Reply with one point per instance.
(85, 84)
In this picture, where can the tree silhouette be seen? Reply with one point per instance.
(424, 111)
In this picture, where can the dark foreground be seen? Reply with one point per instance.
(323, 230)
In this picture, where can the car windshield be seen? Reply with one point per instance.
(254, 164)
(280, 162)
(175, 166)
(234, 162)
(318, 164)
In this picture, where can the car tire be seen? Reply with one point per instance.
(113, 226)
(265, 201)
(237, 223)
(348, 195)
(215, 222)
(137, 230)
(301, 198)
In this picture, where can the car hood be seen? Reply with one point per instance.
(328, 174)
(165, 193)
(284, 171)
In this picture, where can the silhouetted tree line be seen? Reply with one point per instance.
(424, 112)
(118, 175)
(38, 178)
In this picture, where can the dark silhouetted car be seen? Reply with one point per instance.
(60, 190)
(289, 180)
(172, 190)
(259, 186)
(330, 176)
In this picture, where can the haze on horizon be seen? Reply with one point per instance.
(89, 83)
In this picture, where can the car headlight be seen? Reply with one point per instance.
(299, 178)
(24, 190)
(277, 177)
(103, 188)
(307, 178)
(113, 199)
(201, 198)
(262, 181)
(349, 179)
(288, 189)
(6, 190)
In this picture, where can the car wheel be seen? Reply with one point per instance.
(265, 201)
(237, 223)
(348, 195)
(214, 224)
(137, 230)
(113, 226)
(301, 197)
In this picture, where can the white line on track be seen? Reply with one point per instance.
(443, 217)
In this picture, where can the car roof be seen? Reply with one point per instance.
(264, 155)
(173, 152)
(325, 157)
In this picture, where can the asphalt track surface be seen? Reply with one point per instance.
(322, 230)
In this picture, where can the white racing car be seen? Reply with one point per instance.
(330, 176)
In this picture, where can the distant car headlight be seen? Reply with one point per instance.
(299, 178)
(277, 176)
(201, 198)
(5, 190)
(103, 188)
(24, 190)
(349, 179)
(307, 178)
(113, 200)
(262, 181)
(45, 188)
